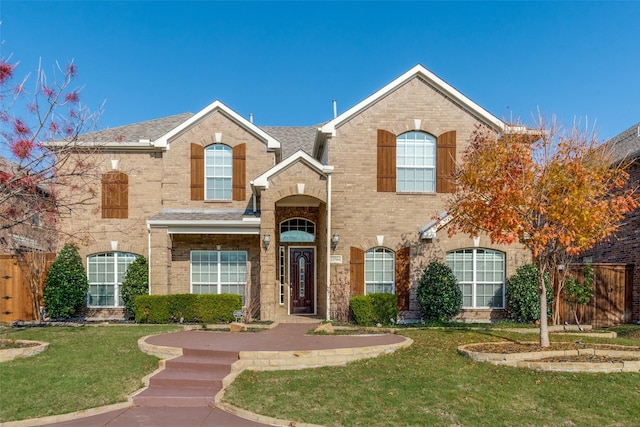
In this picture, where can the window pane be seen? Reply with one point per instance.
(218, 171)
(415, 162)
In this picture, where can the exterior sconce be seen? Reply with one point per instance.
(334, 241)
(266, 241)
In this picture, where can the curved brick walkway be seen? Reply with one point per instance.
(285, 346)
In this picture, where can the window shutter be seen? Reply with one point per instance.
(239, 172)
(386, 161)
(356, 271)
(403, 277)
(446, 162)
(115, 195)
(197, 172)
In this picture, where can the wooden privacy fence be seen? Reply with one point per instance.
(611, 303)
(15, 298)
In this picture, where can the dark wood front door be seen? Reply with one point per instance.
(302, 279)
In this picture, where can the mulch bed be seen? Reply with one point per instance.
(522, 347)
(8, 343)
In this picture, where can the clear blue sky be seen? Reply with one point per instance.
(285, 61)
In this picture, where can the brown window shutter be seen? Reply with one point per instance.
(403, 277)
(239, 172)
(356, 271)
(115, 195)
(197, 172)
(386, 161)
(446, 162)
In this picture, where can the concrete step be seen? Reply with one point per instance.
(174, 378)
(210, 354)
(199, 363)
(175, 397)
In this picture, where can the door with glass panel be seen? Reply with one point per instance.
(302, 280)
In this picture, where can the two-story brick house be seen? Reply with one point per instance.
(296, 219)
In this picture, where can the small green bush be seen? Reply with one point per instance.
(362, 310)
(374, 309)
(189, 308)
(135, 282)
(385, 308)
(523, 296)
(66, 284)
(439, 294)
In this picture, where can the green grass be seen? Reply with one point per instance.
(430, 384)
(83, 367)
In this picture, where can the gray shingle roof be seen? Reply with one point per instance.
(151, 130)
(202, 215)
(625, 145)
(293, 138)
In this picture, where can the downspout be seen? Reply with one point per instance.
(149, 257)
(328, 261)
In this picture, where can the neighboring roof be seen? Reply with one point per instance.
(164, 140)
(206, 221)
(293, 138)
(146, 131)
(625, 145)
(436, 82)
(7, 165)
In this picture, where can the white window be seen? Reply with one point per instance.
(416, 162)
(106, 272)
(218, 172)
(297, 230)
(379, 271)
(219, 272)
(480, 273)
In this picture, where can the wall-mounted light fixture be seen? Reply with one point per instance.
(334, 241)
(266, 241)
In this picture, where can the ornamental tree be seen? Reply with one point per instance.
(43, 175)
(554, 190)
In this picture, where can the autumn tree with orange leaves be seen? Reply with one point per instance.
(556, 191)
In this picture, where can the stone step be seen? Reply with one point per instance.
(198, 363)
(176, 378)
(210, 354)
(175, 397)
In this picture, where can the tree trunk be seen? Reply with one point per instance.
(544, 329)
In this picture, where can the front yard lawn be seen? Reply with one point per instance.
(430, 384)
(84, 367)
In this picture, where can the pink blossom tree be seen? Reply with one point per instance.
(44, 173)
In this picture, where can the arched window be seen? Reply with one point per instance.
(218, 172)
(379, 271)
(481, 275)
(297, 230)
(106, 272)
(416, 162)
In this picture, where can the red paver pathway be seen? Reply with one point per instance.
(284, 337)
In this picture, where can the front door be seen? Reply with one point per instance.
(302, 280)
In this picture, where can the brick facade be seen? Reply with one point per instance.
(341, 179)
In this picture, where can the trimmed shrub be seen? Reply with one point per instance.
(439, 294)
(135, 282)
(362, 310)
(66, 284)
(385, 308)
(523, 297)
(373, 309)
(189, 308)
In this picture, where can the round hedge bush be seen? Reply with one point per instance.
(66, 285)
(439, 294)
(523, 296)
(135, 283)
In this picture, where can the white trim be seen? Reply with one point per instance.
(440, 85)
(262, 182)
(165, 140)
(184, 226)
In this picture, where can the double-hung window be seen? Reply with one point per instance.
(481, 276)
(379, 271)
(219, 272)
(106, 272)
(218, 172)
(416, 162)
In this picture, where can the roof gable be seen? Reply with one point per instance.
(166, 139)
(262, 182)
(434, 81)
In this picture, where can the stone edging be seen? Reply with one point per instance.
(13, 353)
(528, 360)
(277, 360)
